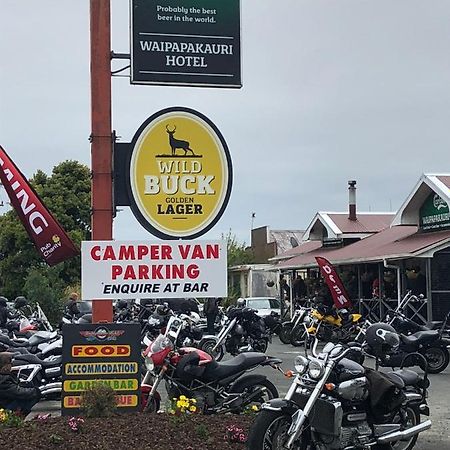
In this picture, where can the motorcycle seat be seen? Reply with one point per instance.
(32, 359)
(239, 363)
(421, 337)
(396, 379)
(434, 325)
(6, 340)
(18, 350)
(409, 377)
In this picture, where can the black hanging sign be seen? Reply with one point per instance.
(188, 42)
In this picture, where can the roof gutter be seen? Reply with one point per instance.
(399, 284)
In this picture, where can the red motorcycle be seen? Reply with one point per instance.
(217, 387)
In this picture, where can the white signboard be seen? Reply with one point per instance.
(169, 269)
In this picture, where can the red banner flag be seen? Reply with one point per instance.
(44, 230)
(339, 293)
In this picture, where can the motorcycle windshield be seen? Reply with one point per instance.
(159, 344)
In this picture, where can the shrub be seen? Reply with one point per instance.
(202, 431)
(56, 439)
(99, 401)
(10, 418)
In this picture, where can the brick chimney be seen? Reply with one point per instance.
(352, 200)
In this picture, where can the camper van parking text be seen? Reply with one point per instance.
(155, 262)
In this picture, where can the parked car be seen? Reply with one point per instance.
(263, 305)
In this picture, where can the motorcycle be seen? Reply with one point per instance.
(429, 343)
(273, 323)
(332, 404)
(44, 343)
(294, 326)
(153, 325)
(44, 374)
(338, 327)
(406, 325)
(216, 387)
(242, 331)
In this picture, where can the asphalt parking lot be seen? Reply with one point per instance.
(437, 438)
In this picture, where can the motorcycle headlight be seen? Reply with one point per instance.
(149, 364)
(301, 364)
(315, 369)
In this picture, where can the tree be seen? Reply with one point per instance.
(66, 193)
(237, 253)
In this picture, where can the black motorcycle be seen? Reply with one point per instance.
(336, 403)
(243, 331)
(155, 321)
(430, 343)
(273, 323)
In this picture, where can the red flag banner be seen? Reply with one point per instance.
(339, 293)
(50, 239)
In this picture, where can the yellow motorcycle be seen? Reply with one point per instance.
(341, 326)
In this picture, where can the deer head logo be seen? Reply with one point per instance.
(177, 143)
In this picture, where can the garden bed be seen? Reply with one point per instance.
(132, 431)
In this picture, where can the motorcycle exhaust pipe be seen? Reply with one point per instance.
(50, 387)
(51, 392)
(405, 434)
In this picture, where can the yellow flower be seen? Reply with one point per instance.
(255, 408)
(193, 401)
(183, 397)
(192, 409)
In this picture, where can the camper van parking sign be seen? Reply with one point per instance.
(180, 174)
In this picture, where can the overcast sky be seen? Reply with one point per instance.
(333, 90)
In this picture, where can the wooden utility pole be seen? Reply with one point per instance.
(101, 136)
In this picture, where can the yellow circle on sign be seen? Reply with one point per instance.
(180, 174)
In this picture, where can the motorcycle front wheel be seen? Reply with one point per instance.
(208, 345)
(269, 431)
(285, 333)
(150, 405)
(298, 335)
(260, 345)
(438, 359)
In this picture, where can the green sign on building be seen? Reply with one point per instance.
(186, 42)
(434, 214)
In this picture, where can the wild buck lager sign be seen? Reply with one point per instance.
(180, 174)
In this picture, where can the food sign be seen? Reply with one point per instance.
(95, 354)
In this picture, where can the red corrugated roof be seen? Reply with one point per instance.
(304, 247)
(444, 179)
(364, 223)
(396, 242)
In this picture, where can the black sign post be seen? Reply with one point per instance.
(101, 354)
(186, 42)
